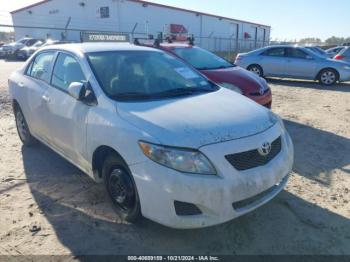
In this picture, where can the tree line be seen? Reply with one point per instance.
(329, 41)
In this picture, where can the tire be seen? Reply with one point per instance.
(256, 69)
(328, 77)
(121, 188)
(22, 128)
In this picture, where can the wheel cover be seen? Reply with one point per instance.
(121, 189)
(255, 70)
(328, 77)
(21, 125)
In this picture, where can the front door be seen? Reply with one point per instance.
(300, 64)
(66, 116)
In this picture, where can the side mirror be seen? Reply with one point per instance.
(77, 90)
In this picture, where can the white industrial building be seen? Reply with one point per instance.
(66, 19)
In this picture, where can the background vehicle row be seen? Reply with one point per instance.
(294, 62)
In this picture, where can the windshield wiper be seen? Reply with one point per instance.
(133, 95)
(182, 91)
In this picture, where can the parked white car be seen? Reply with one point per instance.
(168, 144)
(11, 49)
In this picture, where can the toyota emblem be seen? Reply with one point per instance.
(265, 149)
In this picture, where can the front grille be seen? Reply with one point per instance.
(251, 159)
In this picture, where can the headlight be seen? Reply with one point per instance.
(187, 161)
(231, 87)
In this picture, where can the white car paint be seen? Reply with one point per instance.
(217, 124)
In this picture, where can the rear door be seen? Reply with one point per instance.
(300, 64)
(273, 61)
(34, 85)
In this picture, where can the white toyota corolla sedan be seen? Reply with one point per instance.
(167, 143)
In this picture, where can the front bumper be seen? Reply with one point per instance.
(218, 196)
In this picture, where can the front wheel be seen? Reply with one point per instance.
(121, 188)
(328, 77)
(22, 128)
(256, 69)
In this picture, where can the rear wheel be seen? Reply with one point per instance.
(328, 77)
(256, 69)
(22, 128)
(121, 188)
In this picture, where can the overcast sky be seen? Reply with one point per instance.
(290, 19)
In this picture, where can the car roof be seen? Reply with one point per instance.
(98, 47)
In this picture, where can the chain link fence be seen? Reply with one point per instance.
(226, 47)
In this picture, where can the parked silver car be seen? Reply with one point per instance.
(344, 55)
(294, 62)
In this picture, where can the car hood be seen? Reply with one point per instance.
(245, 80)
(198, 120)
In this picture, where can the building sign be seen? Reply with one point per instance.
(103, 37)
(104, 12)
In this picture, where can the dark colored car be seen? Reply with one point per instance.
(222, 72)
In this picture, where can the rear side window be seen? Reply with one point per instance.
(296, 53)
(277, 52)
(67, 70)
(40, 67)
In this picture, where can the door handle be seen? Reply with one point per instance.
(46, 98)
(20, 84)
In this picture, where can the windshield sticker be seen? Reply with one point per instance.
(186, 73)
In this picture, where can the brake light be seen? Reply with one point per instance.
(339, 57)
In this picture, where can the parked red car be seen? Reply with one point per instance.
(222, 72)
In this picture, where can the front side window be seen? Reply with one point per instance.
(276, 52)
(296, 53)
(40, 67)
(66, 71)
(142, 75)
(201, 59)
